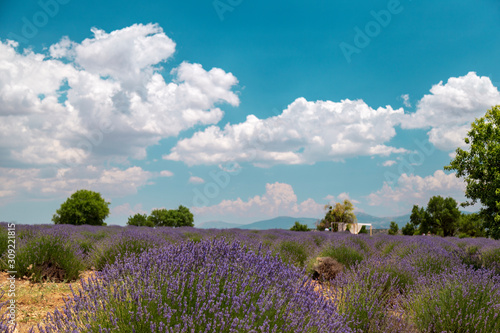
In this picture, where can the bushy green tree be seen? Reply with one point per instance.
(339, 213)
(471, 225)
(442, 216)
(480, 167)
(393, 228)
(140, 220)
(408, 229)
(363, 230)
(299, 227)
(82, 207)
(180, 217)
(417, 219)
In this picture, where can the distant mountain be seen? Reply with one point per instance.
(218, 225)
(286, 222)
(382, 222)
(280, 222)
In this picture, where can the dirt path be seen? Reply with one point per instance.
(34, 300)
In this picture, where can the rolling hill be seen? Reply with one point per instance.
(286, 222)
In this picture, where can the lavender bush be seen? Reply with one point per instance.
(464, 300)
(49, 257)
(198, 287)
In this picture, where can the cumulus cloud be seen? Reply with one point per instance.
(389, 163)
(279, 199)
(411, 189)
(196, 180)
(126, 210)
(450, 109)
(86, 102)
(304, 133)
(50, 182)
(166, 173)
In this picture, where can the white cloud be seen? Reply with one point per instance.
(126, 210)
(196, 180)
(279, 199)
(345, 196)
(331, 199)
(411, 189)
(389, 163)
(166, 173)
(101, 98)
(50, 182)
(406, 100)
(304, 133)
(452, 107)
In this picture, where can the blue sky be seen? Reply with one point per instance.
(240, 110)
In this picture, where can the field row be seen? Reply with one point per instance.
(186, 279)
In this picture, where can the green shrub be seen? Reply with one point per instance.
(347, 256)
(462, 304)
(299, 227)
(49, 257)
(491, 259)
(108, 251)
(389, 248)
(193, 236)
(293, 253)
(364, 299)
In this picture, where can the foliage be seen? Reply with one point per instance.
(442, 216)
(345, 255)
(338, 213)
(379, 273)
(49, 257)
(363, 230)
(409, 229)
(417, 218)
(293, 253)
(140, 220)
(199, 287)
(461, 301)
(83, 207)
(180, 217)
(299, 227)
(480, 167)
(393, 228)
(471, 225)
(363, 296)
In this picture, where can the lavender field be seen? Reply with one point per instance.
(194, 280)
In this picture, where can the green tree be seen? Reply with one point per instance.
(480, 167)
(339, 213)
(185, 217)
(418, 219)
(82, 207)
(409, 229)
(471, 225)
(393, 228)
(299, 227)
(180, 217)
(442, 216)
(363, 230)
(140, 220)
